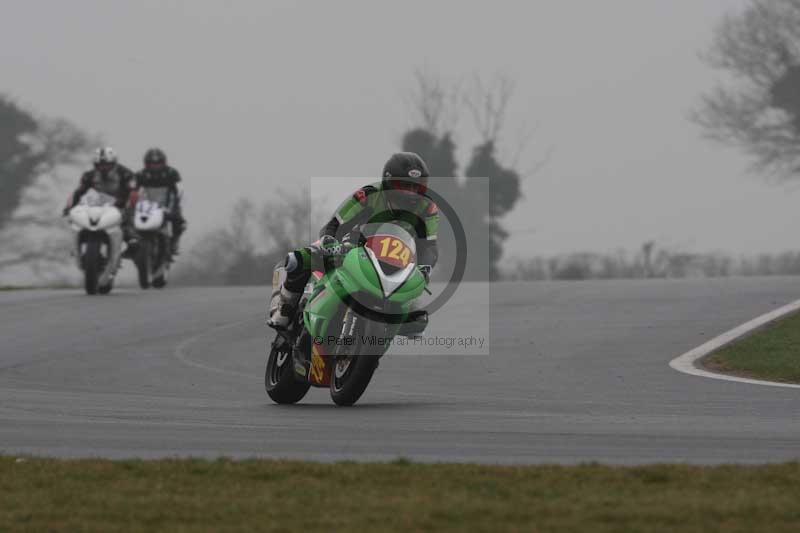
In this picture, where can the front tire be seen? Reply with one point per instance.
(91, 266)
(143, 264)
(105, 289)
(352, 373)
(279, 380)
(157, 263)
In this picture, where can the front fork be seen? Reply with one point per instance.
(114, 255)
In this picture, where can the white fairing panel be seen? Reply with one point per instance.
(149, 216)
(96, 213)
(95, 218)
(390, 282)
(110, 216)
(79, 217)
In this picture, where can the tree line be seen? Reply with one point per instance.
(39, 157)
(755, 108)
(650, 264)
(245, 251)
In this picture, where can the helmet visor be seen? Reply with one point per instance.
(412, 187)
(403, 200)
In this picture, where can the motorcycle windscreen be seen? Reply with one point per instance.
(393, 252)
(159, 195)
(95, 198)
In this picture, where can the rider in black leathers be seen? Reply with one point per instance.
(156, 174)
(108, 177)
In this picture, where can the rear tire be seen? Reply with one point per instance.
(279, 380)
(91, 266)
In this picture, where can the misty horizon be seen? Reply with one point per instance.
(257, 97)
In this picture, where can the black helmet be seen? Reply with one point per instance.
(406, 171)
(155, 159)
(405, 180)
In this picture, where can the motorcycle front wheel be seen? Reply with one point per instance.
(159, 252)
(279, 380)
(352, 372)
(105, 289)
(142, 262)
(92, 266)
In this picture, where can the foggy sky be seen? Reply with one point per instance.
(247, 96)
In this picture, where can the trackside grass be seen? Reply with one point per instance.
(223, 495)
(771, 353)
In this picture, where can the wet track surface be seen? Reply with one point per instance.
(577, 372)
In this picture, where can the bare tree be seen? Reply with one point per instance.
(255, 238)
(758, 108)
(282, 222)
(35, 236)
(647, 258)
(435, 103)
(487, 103)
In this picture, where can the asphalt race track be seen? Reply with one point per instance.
(578, 371)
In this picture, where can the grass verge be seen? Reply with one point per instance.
(223, 495)
(771, 353)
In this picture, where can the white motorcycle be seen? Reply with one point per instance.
(155, 234)
(99, 246)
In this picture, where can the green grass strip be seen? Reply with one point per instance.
(224, 495)
(771, 353)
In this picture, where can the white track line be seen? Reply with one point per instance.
(687, 363)
(181, 351)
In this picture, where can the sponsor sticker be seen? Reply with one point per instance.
(317, 371)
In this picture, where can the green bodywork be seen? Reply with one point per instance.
(356, 274)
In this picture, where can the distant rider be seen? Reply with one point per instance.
(111, 178)
(400, 197)
(162, 180)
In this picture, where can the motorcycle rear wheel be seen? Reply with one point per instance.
(279, 381)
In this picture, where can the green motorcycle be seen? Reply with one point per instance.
(347, 318)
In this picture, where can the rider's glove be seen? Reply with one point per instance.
(425, 270)
(65, 211)
(329, 246)
(350, 240)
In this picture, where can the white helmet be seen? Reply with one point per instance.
(105, 156)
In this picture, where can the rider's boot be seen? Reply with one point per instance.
(173, 247)
(178, 228)
(131, 243)
(282, 308)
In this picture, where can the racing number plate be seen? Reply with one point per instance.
(391, 250)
